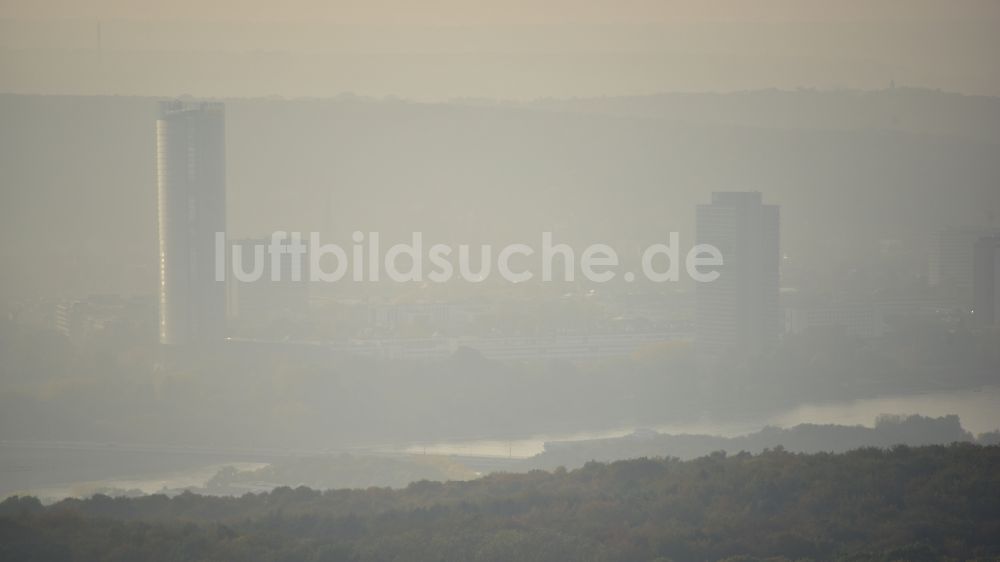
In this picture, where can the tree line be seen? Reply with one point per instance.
(872, 504)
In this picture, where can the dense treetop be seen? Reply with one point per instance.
(924, 503)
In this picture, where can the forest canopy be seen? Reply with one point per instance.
(903, 503)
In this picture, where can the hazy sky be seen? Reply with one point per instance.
(512, 49)
(506, 11)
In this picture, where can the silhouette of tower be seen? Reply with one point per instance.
(191, 187)
(738, 313)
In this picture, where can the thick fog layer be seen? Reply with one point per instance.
(247, 246)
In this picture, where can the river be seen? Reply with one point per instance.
(53, 470)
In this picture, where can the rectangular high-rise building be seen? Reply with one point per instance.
(986, 290)
(950, 260)
(738, 314)
(191, 189)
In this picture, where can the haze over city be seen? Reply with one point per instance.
(499, 280)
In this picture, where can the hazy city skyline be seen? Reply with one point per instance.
(548, 281)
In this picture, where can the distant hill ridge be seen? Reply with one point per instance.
(889, 430)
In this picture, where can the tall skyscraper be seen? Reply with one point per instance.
(950, 260)
(986, 305)
(191, 186)
(738, 313)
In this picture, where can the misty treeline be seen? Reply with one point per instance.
(358, 470)
(343, 470)
(53, 389)
(889, 430)
(928, 503)
(114, 387)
